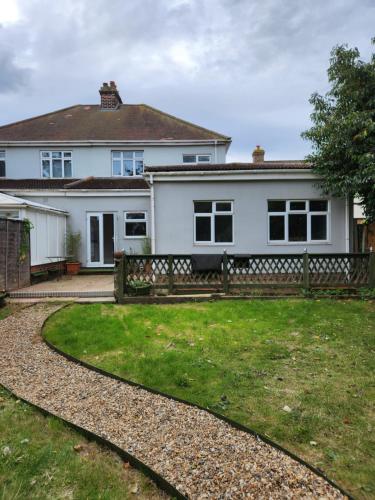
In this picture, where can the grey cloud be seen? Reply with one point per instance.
(245, 68)
(12, 76)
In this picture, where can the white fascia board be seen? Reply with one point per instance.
(185, 142)
(226, 175)
(80, 192)
(56, 211)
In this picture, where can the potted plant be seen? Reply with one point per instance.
(73, 245)
(138, 287)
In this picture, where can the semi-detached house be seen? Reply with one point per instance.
(125, 172)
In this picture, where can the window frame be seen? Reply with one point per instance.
(145, 219)
(212, 215)
(196, 162)
(5, 163)
(122, 159)
(50, 159)
(308, 214)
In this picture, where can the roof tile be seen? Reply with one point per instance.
(86, 183)
(130, 122)
(267, 165)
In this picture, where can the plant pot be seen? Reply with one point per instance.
(139, 290)
(119, 254)
(73, 268)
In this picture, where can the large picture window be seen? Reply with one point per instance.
(298, 221)
(56, 164)
(2, 164)
(213, 222)
(127, 163)
(135, 224)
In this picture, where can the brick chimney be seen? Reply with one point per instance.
(258, 155)
(109, 96)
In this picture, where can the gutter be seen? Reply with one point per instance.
(347, 225)
(40, 209)
(152, 142)
(235, 174)
(225, 172)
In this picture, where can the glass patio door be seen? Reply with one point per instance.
(100, 239)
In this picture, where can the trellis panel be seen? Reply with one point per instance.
(175, 272)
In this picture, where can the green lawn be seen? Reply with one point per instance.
(8, 309)
(38, 460)
(249, 360)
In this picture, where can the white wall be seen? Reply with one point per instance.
(79, 206)
(24, 162)
(175, 220)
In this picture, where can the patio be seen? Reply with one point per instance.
(80, 286)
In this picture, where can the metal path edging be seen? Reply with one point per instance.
(229, 421)
(159, 480)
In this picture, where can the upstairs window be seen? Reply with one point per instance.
(213, 222)
(298, 221)
(56, 164)
(2, 164)
(127, 163)
(135, 224)
(196, 158)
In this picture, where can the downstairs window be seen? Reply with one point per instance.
(135, 224)
(213, 222)
(298, 221)
(2, 164)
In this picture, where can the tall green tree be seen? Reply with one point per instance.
(343, 130)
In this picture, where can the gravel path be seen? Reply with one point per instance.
(202, 456)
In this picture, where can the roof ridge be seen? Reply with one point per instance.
(226, 137)
(40, 116)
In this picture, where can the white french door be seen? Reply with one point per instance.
(100, 239)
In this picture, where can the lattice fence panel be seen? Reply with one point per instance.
(183, 274)
(265, 269)
(149, 268)
(347, 270)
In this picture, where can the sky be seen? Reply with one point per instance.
(245, 68)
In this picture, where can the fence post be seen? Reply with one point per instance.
(120, 278)
(170, 274)
(371, 270)
(225, 272)
(306, 274)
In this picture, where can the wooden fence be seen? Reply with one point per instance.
(177, 273)
(14, 255)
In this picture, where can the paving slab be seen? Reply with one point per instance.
(79, 283)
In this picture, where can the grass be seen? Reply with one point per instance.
(38, 460)
(248, 360)
(10, 308)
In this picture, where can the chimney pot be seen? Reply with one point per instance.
(109, 96)
(258, 154)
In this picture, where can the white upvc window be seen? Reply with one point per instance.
(213, 222)
(298, 221)
(56, 164)
(127, 163)
(2, 164)
(135, 224)
(196, 158)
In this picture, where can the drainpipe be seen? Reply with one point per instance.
(152, 214)
(347, 225)
(215, 151)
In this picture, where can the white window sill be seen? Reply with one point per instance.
(135, 237)
(208, 244)
(296, 243)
